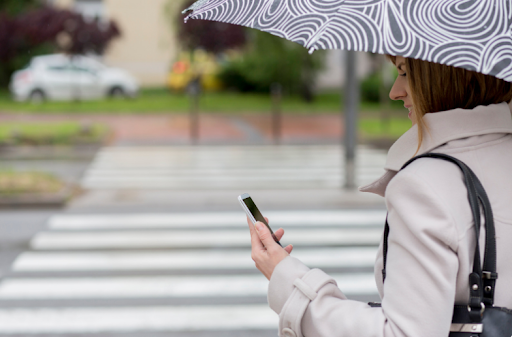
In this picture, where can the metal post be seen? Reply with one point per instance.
(194, 90)
(351, 109)
(384, 85)
(276, 91)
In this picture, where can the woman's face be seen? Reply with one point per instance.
(400, 90)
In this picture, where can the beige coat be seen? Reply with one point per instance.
(431, 241)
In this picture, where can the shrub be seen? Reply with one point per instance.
(370, 88)
(270, 59)
(211, 36)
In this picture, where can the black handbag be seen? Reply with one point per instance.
(479, 318)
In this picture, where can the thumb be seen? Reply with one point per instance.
(264, 234)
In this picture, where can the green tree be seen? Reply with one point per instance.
(269, 59)
(15, 7)
(11, 41)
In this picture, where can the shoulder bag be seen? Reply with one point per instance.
(479, 318)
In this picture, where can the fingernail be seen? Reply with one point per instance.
(258, 226)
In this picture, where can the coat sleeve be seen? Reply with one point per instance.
(419, 291)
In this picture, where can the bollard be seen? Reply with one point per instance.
(194, 90)
(276, 91)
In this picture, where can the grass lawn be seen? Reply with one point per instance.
(59, 133)
(161, 100)
(374, 128)
(16, 183)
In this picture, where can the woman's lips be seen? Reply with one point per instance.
(409, 107)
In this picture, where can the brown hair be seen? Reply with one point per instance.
(436, 87)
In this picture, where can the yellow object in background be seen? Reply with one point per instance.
(192, 65)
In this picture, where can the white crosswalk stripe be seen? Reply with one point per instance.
(128, 319)
(216, 219)
(185, 239)
(161, 286)
(196, 256)
(209, 167)
(184, 260)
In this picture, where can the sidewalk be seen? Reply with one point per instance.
(164, 129)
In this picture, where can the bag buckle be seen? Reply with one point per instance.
(489, 275)
(482, 308)
(476, 328)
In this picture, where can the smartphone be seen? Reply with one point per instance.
(254, 213)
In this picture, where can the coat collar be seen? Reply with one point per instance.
(443, 127)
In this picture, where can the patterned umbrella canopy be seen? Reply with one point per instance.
(472, 34)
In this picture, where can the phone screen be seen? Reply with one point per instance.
(251, 206)
(255, 211)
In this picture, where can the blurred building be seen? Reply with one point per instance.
(333, 75)
(147, 44)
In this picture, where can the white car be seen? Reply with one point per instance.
(62, 77)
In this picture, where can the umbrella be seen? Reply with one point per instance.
(471, 34)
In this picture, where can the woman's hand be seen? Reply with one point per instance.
(266, 253)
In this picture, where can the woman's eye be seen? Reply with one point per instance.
(403, 75)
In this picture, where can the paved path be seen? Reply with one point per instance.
(214, 128)
(182, 274)
(108, 268)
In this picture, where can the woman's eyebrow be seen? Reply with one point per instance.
(400, 66)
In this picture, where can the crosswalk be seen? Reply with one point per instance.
(217, 167)
(178, 274)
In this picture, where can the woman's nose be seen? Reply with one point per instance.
(398, 91)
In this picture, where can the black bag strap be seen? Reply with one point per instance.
(481, 283)
(489, 274)
(385, 249)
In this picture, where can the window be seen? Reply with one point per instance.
(58, 68)
(91, 9)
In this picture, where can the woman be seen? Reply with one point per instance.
(431, 241)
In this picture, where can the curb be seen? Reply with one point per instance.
(77, 152)
(51, 200)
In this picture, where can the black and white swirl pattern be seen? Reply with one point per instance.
(348, 29)
(472, 34)
(465, 55)
(272, 17)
